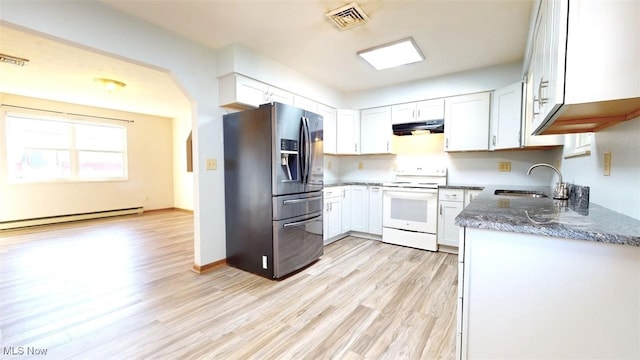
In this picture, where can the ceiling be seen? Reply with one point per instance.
(454, 36)
(62, 72)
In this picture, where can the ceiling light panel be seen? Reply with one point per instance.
(393, 54)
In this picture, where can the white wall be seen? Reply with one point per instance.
(150, 171)
(97, 26)
(621, 190)
(467, 82)
(243, 60)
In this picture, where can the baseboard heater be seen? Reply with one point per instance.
(66, 218)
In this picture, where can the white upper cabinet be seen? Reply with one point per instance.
(417, 111)
(348, 132)
(304, 103)
(466, 122)
(275, 94)
(240, 92)
(506, 117)
(584, 66)
(403, 113)
(430, 110)
(375, 130)
(329, 135)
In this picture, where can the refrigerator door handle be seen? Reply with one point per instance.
(306, 150)
(303, 147)
(298, 223)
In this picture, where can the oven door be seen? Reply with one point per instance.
(411, 209)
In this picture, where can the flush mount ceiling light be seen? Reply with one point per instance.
(347, 16)
(393, 54)
(13, 60)
(110, 85)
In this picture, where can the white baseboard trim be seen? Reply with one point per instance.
(66, 218)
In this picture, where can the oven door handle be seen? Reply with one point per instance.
(410, 194)
(298, 223)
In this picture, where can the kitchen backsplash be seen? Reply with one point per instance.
(473, 168)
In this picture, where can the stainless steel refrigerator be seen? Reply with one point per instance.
(273, 189)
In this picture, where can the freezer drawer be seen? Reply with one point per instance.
(297, 242)
(289, 206)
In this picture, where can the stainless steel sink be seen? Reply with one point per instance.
(521, 193)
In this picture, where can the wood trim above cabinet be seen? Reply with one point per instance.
(592, 117)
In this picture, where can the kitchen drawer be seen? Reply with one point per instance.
(451, 194)
(332, 192)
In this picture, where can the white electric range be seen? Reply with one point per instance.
(410, 207)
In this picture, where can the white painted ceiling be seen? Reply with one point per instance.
(454, 36)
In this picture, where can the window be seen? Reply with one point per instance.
(577, 145)
(48, 149)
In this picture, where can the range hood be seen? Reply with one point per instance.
(420, 127)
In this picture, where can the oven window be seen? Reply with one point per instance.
(409, 210)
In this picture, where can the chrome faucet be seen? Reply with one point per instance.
(561, 192)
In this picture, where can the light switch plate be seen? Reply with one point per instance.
(360, 165)
(212, 164)
(606, 164)
(504, 166)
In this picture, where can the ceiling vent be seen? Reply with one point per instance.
(348, 16)
(13, 60)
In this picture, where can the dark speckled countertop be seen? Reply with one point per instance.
(548, 217)
(341, 183)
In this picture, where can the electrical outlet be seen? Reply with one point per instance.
(329, 165)
(504, 166)
(360, 165)
(607, 164)
(212, 164)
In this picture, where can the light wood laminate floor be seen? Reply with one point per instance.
(121, 288)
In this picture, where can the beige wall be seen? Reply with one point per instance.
(150, 168)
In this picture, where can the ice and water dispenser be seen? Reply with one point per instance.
(289, 159)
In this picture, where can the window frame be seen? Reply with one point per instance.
(74, 151)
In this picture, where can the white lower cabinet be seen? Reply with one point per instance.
(528, 296)
(375, 210)
(352, 208)
(346, 209)
(359, 208)
(332, 221)
(450, 204)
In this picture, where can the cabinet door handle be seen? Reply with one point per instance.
(543, 84)
(446, 143)
(418, 114)
(355, 146)
(493, 140)
(470, 197)
(440, 209)
(387, 146)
